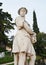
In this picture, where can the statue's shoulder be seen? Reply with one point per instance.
(18, 17)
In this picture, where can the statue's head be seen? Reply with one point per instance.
(22, 11)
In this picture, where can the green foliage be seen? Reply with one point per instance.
(6, 59)
(38, 57)
(5, 25)
(41, 44)
(2, 49)
(35, 25)
(0, 4)
(41, 38)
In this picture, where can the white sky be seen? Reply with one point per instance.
(39, 6)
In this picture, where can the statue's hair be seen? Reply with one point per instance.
(22, 8)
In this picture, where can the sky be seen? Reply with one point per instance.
(39, 6)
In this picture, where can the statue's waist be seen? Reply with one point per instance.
(23, 32)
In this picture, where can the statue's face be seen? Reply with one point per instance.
(22, 12)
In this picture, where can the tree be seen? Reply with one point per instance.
(40, 45)
(5, 26)
(35, 25)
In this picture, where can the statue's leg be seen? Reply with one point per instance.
(16, 59)
(27, 60)
(32, 60)
(22, 58)
(32, 55)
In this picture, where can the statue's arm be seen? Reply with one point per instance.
(27, 28)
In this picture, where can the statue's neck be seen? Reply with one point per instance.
(22, 17)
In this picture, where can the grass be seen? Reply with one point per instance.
(6, 59)
(38, 57)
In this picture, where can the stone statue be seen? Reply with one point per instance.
(22, 43)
